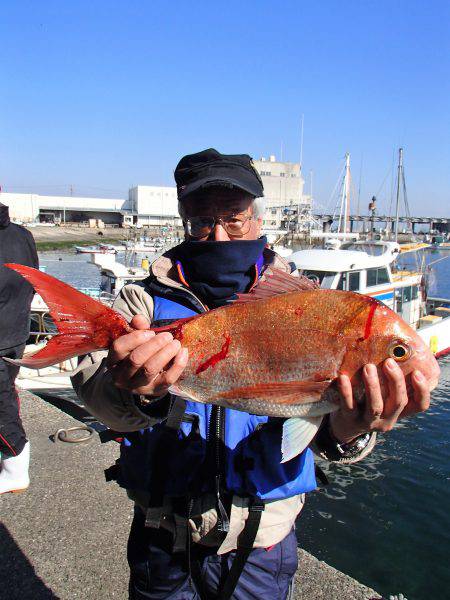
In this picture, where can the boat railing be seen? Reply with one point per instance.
(433, 303)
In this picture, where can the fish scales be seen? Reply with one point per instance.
(298, 336)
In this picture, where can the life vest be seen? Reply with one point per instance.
(250, 444)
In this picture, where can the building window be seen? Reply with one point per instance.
(282, 174)
(265, 173)
(273, 211)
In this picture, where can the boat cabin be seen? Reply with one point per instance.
(367, 268)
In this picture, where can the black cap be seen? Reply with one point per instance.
(210, 168)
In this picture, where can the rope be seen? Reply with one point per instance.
(63, 435)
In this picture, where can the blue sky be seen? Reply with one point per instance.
(103, 95)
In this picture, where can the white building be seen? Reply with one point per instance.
(145, 206)
(154, 205)
(34, 207)
(283, 191)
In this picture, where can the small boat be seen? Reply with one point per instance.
(371, 268)
(113, 247)
(439, 242)
(99, 249)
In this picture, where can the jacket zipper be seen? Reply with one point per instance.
(216, 429)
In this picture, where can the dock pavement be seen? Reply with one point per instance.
(65, 538)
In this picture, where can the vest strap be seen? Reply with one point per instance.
(158, 501)
(245, 545)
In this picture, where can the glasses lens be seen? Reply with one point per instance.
(200, 226)
(237, 226)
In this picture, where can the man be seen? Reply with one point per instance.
(210, 472)
(16, 246)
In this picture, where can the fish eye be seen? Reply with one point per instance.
(399, 351)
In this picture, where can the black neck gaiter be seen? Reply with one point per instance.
(216, 271)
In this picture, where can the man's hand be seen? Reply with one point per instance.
(378, 414)
(144, 363)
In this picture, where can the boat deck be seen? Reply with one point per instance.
(66, 536)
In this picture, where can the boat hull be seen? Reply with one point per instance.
(437, 337)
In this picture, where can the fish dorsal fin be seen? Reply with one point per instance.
(277, 282)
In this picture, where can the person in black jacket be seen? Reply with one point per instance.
(16, 246)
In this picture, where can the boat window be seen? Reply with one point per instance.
(349, 281)
(377, 276)
(415, 292)
(325, 278)
(382, 276)
(353, 283)
(407, 294)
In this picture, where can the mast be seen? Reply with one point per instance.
(345, 198)
(399, 179)
(300, 175)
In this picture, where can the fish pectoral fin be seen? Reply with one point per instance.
(287, 392)
(297, 435)
(176, 391)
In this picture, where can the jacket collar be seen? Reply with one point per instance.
(165, 271)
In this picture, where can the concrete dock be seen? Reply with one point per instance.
(65, 538)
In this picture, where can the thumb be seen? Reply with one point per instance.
(140, 322)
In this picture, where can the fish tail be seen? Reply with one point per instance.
(83, 323)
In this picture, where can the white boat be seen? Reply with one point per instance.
(114, 275)
(114, 247)
(370, 268)
(143, 248)
(100, 249)
(55, 377)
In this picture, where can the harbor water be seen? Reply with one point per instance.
(386, 520)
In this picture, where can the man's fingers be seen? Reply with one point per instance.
(374, 399)
(160, 360)
(345, 389)
(125, 344)
(140, 322)
(172, 375)
(137, 357)
(146, 382)
(398, 396)
(421, 391)
(421, 395)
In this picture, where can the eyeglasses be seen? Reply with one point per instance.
(234, 225)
